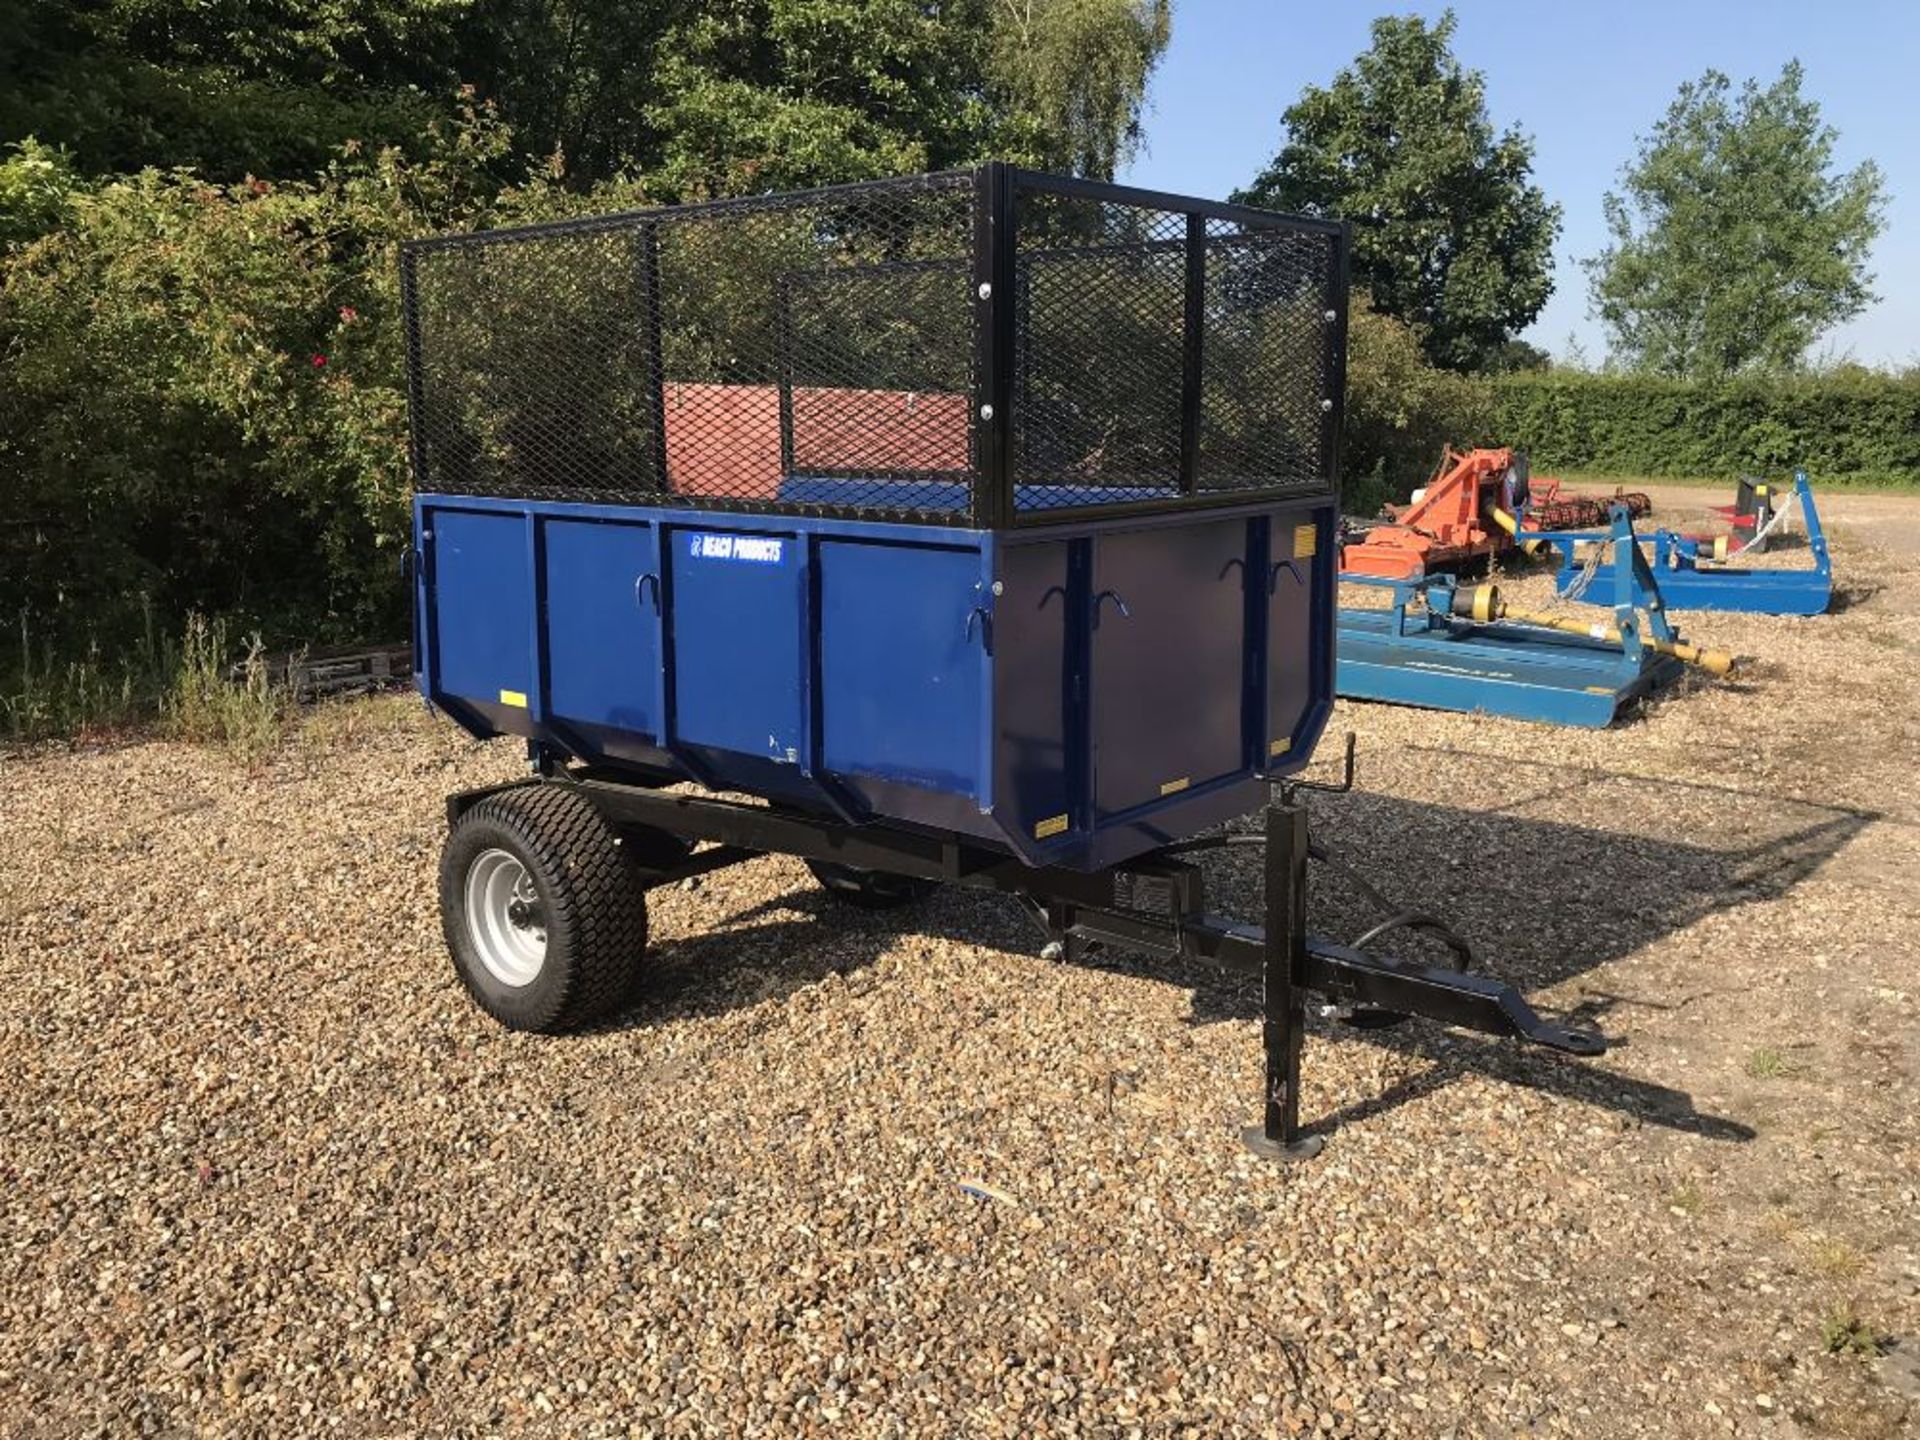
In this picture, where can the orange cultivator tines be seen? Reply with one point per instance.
(1480, 502)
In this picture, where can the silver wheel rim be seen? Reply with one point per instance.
(505, 918)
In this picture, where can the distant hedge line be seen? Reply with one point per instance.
(1857, 426)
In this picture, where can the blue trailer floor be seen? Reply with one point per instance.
(1496, 669)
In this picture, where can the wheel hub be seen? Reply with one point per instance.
(505, 918)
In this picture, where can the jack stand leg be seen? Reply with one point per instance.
(1058, 919)
(1284, 1018)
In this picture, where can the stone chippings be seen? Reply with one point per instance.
(264, 1171)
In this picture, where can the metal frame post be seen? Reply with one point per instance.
(1193, 339)
(1338, 284)
(783, 346)
(1283, 1024)
(653, 349)
(993, 277)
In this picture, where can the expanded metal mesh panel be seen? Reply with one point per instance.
(533, 376)
(989, 347)
(1099, 307)
(1268, 414)
(1158, 354)
(801, 351)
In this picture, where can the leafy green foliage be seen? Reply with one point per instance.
(201, 402)
(76, 687)
(1843, 1332)
(1854, 424)
(214, 700)
(1735, 245)
(202, 407)
(1401, 412)
(1070, 75)
(37, 185)
(226, 87)
(783, 94)
(1450, 234)
(704, 99)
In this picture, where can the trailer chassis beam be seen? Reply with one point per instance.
(1154, 905)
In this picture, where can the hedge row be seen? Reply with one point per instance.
(1854, 425)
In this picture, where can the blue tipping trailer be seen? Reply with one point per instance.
(1078, 695)
(979, 526)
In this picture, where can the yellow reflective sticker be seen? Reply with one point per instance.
(514, 698)
(1306, 539)
(1047, 829)
(1280, 747)
(1174, 787)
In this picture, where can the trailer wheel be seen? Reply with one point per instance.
(542, 908)
(869, 889)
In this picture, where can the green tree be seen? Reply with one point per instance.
(1517, 355)
(1735, 244)
(776, 94)
(228, 87)
(1071, 75)
(780, 94)
(702, 99)
(1401, 412)
(1450, 233)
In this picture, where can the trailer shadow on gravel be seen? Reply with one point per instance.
(1544, 903)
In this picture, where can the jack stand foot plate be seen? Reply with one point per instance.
(1254, 1137)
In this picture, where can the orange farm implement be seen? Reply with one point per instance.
(1479, 503)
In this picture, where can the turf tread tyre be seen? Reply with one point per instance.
(596, 908)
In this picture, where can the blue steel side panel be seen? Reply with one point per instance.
(744, 702)
(1170, 660)
(901, 673)
(737, 614)
(1733, 590)
(483, 602)
(1038, 777)
(1299, 562)
(603, 625)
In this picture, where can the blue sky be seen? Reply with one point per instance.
(1584, 81)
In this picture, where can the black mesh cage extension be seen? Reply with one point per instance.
(986, 347)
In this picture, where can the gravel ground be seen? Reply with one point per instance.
(265, 1170)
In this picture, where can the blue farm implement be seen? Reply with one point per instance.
(1694, 572)
(1448, 645)
(977, 528)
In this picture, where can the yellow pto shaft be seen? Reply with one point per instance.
(1485, 603)
(1507, 523)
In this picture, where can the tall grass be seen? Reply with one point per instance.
(201, 688)
(211, 700)
(49, 691)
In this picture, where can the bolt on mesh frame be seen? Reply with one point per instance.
(991, 348)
